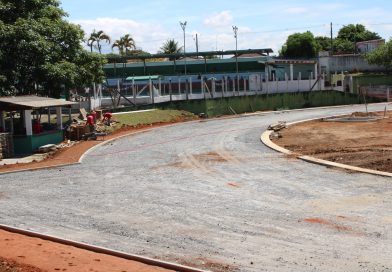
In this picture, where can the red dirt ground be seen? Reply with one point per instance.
(26, 254)
(362, 144)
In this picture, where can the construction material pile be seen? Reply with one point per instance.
(6, 146)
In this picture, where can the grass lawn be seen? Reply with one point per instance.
(151, 117)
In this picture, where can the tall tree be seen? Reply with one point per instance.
(40, 48)
(356, 33)
(381, 56)
(300, 45)
(349, 35)
(97, 37)
(170, 47)
(125, 44)
(324, 43)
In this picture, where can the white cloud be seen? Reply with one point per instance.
(220, 19)
(147, 36)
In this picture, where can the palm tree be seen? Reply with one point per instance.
(124, 44)
(97, 37)
(92, 39)
(170, 47)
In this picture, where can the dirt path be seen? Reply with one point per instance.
(27, 254)
(362, 144)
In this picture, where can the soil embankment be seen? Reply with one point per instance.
(362, 144)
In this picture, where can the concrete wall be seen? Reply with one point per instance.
(349, 63)
(241, 104)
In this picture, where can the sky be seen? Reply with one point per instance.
(261, 24)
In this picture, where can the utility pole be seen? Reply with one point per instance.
(197, 46)
(331, 40)
(183, 26)
(235, 29)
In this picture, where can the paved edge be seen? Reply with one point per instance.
(102, 250)
(38, 168)
(265, 139)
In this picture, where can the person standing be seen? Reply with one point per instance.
(90, 122)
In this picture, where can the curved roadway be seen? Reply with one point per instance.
(211, 194)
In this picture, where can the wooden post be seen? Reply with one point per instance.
(27, 122)
(170, 90)
(202, 88)
(133, 91)
(244, 82)
(49, 117)
(186, 89)
(160, 86)
(151, 91)
(11, 122)
(70, 114)
(59, 118)
(179, 85)
(190, 85)
(213, 87)
(2, 120)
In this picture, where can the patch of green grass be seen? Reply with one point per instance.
(151, 117)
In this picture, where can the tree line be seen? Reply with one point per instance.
(306, 45)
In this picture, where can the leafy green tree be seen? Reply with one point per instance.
(125, 44)
(40, 48)
(324, 43)
(300, 45)
(381, 56)
(356, 33)
(97, 37)
(342, 46)
(349, 35)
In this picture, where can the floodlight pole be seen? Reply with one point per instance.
(235, 29)
(183, 26)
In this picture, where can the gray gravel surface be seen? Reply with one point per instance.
(210, 194)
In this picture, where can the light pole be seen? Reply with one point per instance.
(235, 29)
(183, 26)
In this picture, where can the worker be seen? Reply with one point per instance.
(106, 118)
(94, 114)
(90, 123)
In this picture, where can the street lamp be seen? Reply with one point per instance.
(235, 29)
(183, 26)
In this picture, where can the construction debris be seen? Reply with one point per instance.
(277, 127)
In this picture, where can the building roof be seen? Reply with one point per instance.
(287, 61)
(30, 102)
(372, 41)
(143, 78)
(121, 59)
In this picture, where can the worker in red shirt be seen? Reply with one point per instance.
(106, 118)
(94, 114)
(90, 122)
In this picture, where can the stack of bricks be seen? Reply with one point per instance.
(6, 146)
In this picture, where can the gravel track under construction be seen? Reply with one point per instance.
(211, 195)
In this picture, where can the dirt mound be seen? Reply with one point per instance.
(362, 144)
